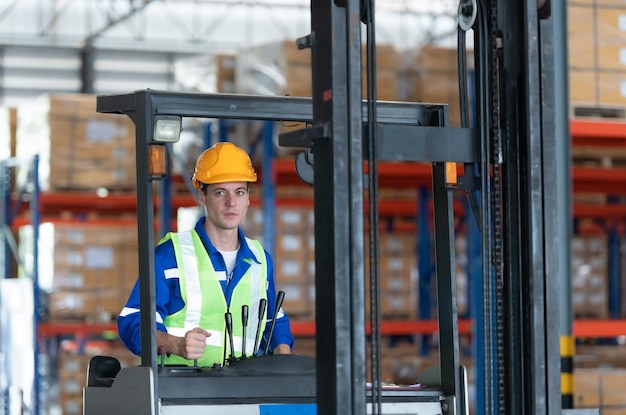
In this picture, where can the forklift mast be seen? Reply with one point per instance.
(511, 154)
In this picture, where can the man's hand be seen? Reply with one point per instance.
(190, 347)
(194, 343)
(282, 349)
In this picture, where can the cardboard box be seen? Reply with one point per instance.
(398, 273)
(589, 276)
(436, 58)
(72, 383)
(282, 69)
(586, 388)
(297, 303)
(580, 36)
(83, 256)
(611, 38)
(290, 220)
(293, 245)
(612, 388)
(582, 87)
(79, 149)
(396, 304)
(72, 304)
(110, 302)
(388, 85)
(291, 269)
(73, 364)
(86, 305)
(597, 56)
(600, 388)
(94, 234)
(432, 76)
(397, 244)
(612, 88)
(71, 406)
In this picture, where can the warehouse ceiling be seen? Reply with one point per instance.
(46, 45)
(200, 26)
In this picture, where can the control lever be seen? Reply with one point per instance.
(229, 330)
(279, 302)
(262, 307)
(244, 321)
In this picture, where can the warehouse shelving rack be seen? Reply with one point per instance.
(605, 137)
(599, 180)
(13, 201)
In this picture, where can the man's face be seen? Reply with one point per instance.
(226, 204)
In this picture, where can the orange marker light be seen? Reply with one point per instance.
(156, 160)
(451, 174)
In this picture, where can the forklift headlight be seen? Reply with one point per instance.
(167, 128)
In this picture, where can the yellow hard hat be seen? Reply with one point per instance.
(224, 162)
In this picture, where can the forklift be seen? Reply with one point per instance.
(512, 157)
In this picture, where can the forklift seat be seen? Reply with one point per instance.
(102, 371)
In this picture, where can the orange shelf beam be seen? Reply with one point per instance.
(599, 328)
(298, 328)
(56, 202)
(50, 329)
(598, 133)
(581, 328)
(390, 174)
(604, 211)
(599, 180)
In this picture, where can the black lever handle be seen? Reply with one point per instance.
(280, 296)
(244, 321)
(262, 307)
(229, 330)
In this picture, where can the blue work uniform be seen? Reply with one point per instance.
(169, 299)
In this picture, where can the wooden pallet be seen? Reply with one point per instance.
(597, 111)
(592, 156)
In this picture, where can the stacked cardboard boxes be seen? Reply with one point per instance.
(274, 69)
(432, 76)
(589, 276)
(78, 148)
(283, 69)
(597, 57)
(87, 270)
(600, 388)
(462, 279)
(226, 73)
(293, 256)
(389, 66)
(398, 275)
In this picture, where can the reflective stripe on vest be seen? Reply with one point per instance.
(205, 304)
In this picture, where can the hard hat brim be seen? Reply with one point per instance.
(225, 179)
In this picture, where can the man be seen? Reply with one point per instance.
(214, 269)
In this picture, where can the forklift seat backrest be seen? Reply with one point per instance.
(102, 371)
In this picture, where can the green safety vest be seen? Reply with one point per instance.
(205, 303)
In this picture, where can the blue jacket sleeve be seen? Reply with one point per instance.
(282, 329)
(168, 300)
